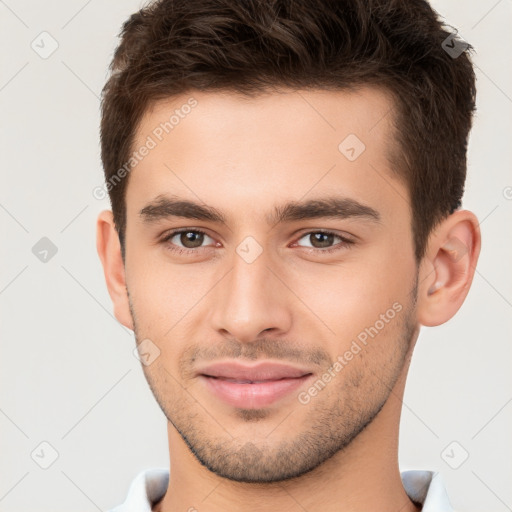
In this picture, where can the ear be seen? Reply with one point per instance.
(109, 251)
(447, 270)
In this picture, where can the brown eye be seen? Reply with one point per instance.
(187, 240)
(321, 240)
(191, 239)
(325, 241)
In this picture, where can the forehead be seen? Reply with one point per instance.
(367, 111)
(254, 151)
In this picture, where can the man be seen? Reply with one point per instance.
(286, 182)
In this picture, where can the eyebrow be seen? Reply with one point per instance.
(164, 207)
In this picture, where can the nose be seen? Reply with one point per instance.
(251, 301)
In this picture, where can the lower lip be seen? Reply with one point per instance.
(252, 396)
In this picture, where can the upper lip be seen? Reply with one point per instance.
(261, 371)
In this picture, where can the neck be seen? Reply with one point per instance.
(364, 476)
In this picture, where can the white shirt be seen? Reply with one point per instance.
(150, 485)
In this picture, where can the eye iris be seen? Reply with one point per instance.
(191, 239)
(324, 239)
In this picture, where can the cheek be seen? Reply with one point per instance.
(163, 293)
(344, 300)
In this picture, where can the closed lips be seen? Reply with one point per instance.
(245, 381)
(252, 386)
(245, 374)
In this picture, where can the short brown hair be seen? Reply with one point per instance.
(171, 47)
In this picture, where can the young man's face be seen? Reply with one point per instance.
(257, 288)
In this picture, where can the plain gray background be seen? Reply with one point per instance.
(69, 378)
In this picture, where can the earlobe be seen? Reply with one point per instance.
(448, 268)
(109, 251)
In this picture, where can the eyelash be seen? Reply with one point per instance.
(344, 244)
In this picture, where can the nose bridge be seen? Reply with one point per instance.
(250, 299)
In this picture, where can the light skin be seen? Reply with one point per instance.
(294, 303)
